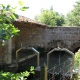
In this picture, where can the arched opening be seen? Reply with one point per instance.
(30, 58)
(57, 54)
(75, 46)
(60, 57)
(76, 49)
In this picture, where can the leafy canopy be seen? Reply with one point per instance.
(73, 17)
(7, 17)
(50, 17)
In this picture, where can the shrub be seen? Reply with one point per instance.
(16, 76)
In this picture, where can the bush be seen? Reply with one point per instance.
(77, 58)
(16, 76)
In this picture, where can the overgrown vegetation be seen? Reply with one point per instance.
(73, 17)
(50, 17)
(7, 16)
(53, 18)
(16, 76)
(77, 59)
(7, 31)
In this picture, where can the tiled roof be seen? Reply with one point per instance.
(25, 19)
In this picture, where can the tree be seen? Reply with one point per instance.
(7, 29)
(73, 17)
(50, 17)
(7, 16)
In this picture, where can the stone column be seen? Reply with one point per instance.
(8, 52)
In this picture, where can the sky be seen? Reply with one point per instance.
(35, 6)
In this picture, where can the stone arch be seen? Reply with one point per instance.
(56, 43)
(75, 46)
(76, 49)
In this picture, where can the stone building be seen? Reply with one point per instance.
(35, 34)
(42, 37)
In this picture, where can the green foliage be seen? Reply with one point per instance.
(21, 3)
(73, 17)
(23, 8)
(7, 17)
(77, 58)
(50, 17)
(7, 29)
(15, 76)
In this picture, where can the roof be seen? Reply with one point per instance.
(25, 19)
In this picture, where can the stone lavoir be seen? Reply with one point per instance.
(40, 36)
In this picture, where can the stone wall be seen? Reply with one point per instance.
(37, 35)
(2, 54)
(33, 35)
(29, 35)
(66, 35)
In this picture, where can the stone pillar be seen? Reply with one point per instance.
(8, 52)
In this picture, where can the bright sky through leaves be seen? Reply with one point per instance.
(61, 6)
